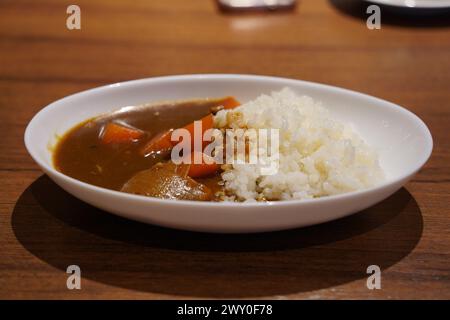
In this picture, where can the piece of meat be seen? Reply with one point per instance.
(167, 181)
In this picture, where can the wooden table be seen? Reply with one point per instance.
(43, 229)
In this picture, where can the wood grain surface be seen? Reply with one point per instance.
(43, 229)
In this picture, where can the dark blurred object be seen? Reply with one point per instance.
(414, 5)
(392, 15)
(255, 5)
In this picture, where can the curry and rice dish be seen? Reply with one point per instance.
(144, 150)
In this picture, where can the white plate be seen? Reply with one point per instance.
(402, 140)
(418, 4)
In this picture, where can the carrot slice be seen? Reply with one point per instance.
(203, 169)
(162, 142)
(116, 133)
(207, 121)
(159, 143)
(230, 103)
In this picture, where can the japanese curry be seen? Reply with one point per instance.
(129, 150)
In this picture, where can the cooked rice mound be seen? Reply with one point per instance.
(318, 155)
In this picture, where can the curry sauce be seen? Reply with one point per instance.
(82, 155)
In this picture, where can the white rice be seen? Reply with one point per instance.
(319, 156)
